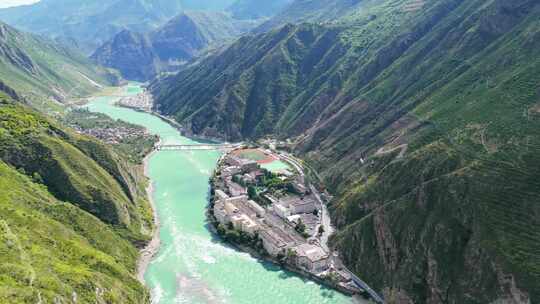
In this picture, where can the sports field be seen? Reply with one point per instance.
(256, 155)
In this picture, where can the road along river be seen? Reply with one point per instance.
(192, 265)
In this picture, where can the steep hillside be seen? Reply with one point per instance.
(299, 11)
(143, 56)
(130, 53)
(253, 9)
(422, 118)
(37, 67)
(53, 250)
(76, 169)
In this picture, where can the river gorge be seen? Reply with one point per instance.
(193, 265)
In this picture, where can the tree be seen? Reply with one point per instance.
(291, 254)
(321, 230)
(300, 226)
(252, 192)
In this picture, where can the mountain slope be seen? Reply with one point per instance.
(90, 23)
(299, 11)
(143, 56)
(422, 118)
(253, 9)
(53, 250)
(37, 67)
(130, 53)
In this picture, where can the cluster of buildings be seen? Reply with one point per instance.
(113, 135)
(270, 218)
(142, 101)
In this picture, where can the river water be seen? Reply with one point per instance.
(192, 266)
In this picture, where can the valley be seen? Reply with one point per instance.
(206, 270)
(284, 151)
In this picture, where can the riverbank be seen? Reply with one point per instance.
(152, 248)
(143, 102)
(189, 265)
(272, 215)
(213, 222)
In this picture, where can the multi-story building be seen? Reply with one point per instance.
(312, 258)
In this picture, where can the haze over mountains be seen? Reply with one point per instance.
(422, 118)
(90, 23)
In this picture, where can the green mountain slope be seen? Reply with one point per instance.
(37, 67)
(299, 11)
(53, 250)
(91, 23)
(253, 9)
(142, 56)
(422, 118)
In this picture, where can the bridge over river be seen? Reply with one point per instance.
(198, 147)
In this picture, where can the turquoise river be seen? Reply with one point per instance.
(192, 265)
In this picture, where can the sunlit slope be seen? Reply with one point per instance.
(37, 67)
(53, 250)
(78, 170)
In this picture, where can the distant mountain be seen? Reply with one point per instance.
(37, 67)
(143, 56)
(255, 9)
(422, 118)
(131, 53)
(92, 22)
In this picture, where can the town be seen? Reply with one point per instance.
(142, 101)
(262, 202)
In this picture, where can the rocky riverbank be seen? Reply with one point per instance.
(152, 247)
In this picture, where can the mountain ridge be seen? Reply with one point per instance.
(37, 67)
(143, 56)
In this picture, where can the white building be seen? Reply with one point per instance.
(237, 199)
(259, 211)
(245, 165)
(312, 258)
(299, 205)
(276, 241)
(230, 171)
(220, 213)
(244, 223)
(272, 243)
(235, 189)
(220, 195)
(281, 211)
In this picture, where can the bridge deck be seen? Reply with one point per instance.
(196, 147)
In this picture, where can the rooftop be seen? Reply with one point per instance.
(312, 252)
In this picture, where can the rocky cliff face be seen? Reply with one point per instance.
(421, 120)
